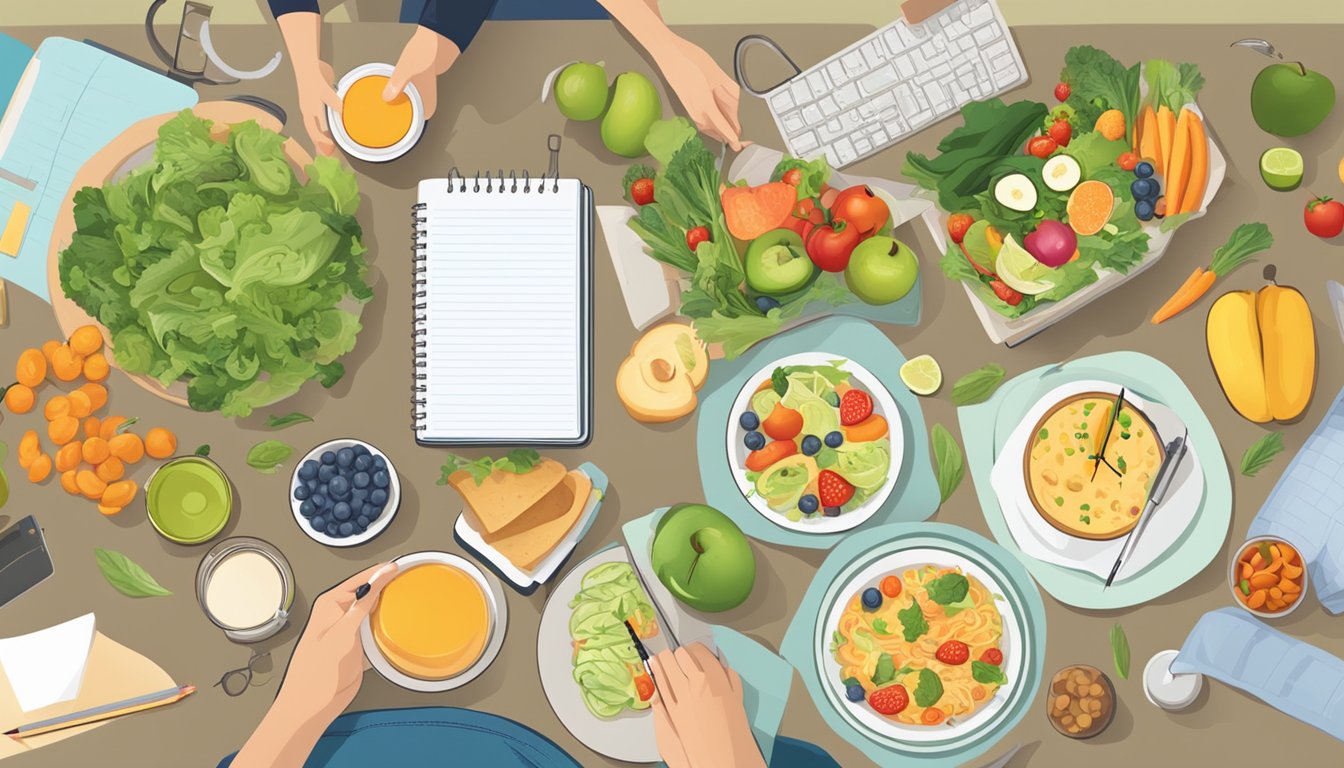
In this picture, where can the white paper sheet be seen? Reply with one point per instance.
(47, 667)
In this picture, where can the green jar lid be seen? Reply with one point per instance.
(189, 500)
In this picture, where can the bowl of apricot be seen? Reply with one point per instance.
(1268, 577)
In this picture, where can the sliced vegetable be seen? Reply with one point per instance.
(752, 211)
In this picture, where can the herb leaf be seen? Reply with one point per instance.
(930, 688)
(949, 464)
(978, 385)
(989, 674)
(125, 576)
(288, 420)
(880, 627)
(1261, 452)
(912, 622)
(948, 588)
(267, 456)
(885, 671)
(1120, 650)
(519, 462)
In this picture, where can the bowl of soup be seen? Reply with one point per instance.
(369, 128)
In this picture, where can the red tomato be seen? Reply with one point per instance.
(1062, 92)
(1006, 295)
(793, 177)
(830, 245)
(806, 215)
(1042, 146)
(862, 209)
(1324, 217)
(953, 652)
(992, 656)
(957, 224)
(641, 191)
(759, 461)
(782, 423)
(644, 686)
(891, 586)
(855, 406)
(697, 236)
(833, 490)
(1061, 132)
(891, 700)
(1127, 161)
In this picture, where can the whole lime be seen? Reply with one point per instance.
(581, 91)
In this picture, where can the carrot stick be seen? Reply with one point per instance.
(1196, 286)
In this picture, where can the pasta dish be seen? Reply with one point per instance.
(921, 646)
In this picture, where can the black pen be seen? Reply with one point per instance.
(639, 647)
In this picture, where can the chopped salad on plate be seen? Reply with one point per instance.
(1042, 201)
(607, 668)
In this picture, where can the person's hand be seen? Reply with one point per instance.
(316, 93)
(708, 94)
(698, 716)
(327, 667)
(426, 56)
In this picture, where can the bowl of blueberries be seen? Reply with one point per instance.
(344, 493)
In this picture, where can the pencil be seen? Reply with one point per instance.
(104, 712)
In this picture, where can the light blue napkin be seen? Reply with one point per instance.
(915, 496)
(1288, 674)
(1306, 507)
(985, 428)
(856, 553)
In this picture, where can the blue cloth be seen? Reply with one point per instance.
(457, 20)
(533, 10)
(1304, 508)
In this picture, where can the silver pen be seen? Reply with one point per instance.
(1161, 484)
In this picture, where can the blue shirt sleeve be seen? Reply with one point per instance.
(281, 7)
(457, 20)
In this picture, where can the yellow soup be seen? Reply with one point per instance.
(431, 621)
(370, 121)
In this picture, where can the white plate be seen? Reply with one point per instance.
(389, 509)
(628, 736)
(1039, 539)
(371, 154)
(497, 607)
(1013, 644)
(883, 404)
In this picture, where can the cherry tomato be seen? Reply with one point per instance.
(864, 210)
(1324, 217)
(953, 652)
(806, 215)
(1061, 132)
(782, 423)
(1062, 92)
(697, 236)
(1006, 294)
(957, 224)
(891, 700)
(644, 686)
(992, 656)
(830, 245)
(793, 177)
(1042, 146)
(641, 191)
(1127, 161)
(891, 586)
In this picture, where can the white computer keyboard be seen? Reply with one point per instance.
(898, 80)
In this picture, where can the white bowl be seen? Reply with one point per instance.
(377, 527)
(1234, 578)
(376, 154)
(883, 404)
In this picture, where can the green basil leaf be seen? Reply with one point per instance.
(987, 673)
(912, 622)
(948, 589)
(880, 627)
(288, 420)
(1120, 650)
(267, 456)
(948, 461)
(202, 450)
(885, 671)
(1261, 452)
(125, 576)
(978, 385)
(519, 462)
(930, 688)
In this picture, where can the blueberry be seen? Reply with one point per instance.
(356, 509)
(362, 463)
(339, 487)
(1143, 189)
(831, 511)
(754, 441)
(332, 528)
(811, 444)
(766, 303)
(307, 509)
(378, 497)
(362, 522)
(872, 598)
(302, 493)
(320, 501)
(379, 462)
(749, 421)
(854, 692)
(318, 522)
(308, 470)
(346, 529)
(358, 497)
(372, 511)
(808, 504)
(340, 510)
(1144, 210)
(327, 472)
(361, 449)
(380, 479)
(311, 484)
(345, 457)
(1143, 170)
(329, 457)
(834, 439)
(362, 480)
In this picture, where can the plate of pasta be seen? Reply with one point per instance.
(927, 647)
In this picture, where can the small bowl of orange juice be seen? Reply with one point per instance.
(369, 128)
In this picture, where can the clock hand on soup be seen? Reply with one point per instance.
(1098, 457)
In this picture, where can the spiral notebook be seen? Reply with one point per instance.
(503, 311)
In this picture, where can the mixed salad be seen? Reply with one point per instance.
(1043, 200)
(757, 256)
(817, 445)
(607, 668)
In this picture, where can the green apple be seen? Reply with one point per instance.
(634, 107)
(881, 270)
(1290, 100)
(581, 91)
(776, 263)
(703, 558)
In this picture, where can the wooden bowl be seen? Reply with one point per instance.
(112, 162)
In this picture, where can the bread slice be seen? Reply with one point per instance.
(504, 496)
(535, 534)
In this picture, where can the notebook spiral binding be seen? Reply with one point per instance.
(419, 292)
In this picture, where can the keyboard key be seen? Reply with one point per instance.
(893, 40)
(873, 54)
(833, 158)
(941, 70)
(980, 14)
(836, 71)
(997, 49)
(939, 43)
(919, 31)
(955, 29)
(907, 35)
(793, 123)
(878, 136)
(986, 34)
(905, 66)
(867, 110)
(845, 150)
(905, 99)
(801, 93)
(862, 145)
(812, 115)
(936, 95)
(1006, 76)
(847, 95)
(929, 51)
(850, 120)
(804, 143)
(781, 101)
(830, 130)
(879, 80)
(853, 62)
(887, 99)
(817, 82)
(828, 106)
(918, 119)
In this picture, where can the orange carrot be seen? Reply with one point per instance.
(1195, 286)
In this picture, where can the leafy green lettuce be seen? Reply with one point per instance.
(992, 131)
(1098, 82)
(214, 264)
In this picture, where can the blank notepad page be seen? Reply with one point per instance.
(503, 313)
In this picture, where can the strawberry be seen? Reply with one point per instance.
(1006, 295)
(953, 652)
(833, 490)
(1061, 132)
(992, 656)
(891, 700)
(855, 406)
(1062, 91)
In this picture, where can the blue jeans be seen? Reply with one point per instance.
(523, 10)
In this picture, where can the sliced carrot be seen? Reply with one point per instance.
(1257, 598)
(1263, 579)
(1193, 197)
(1291, 597)
(1289, 586)
(1166, 129)
(1246, 570)
(1150, 147)
(1178, 174)
(1292, 571)
(1288, 553)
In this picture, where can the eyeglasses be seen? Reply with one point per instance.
(235, 682)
